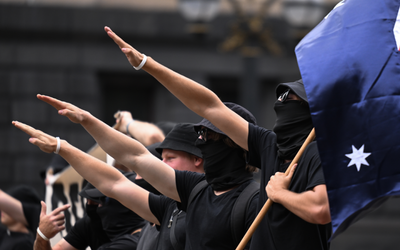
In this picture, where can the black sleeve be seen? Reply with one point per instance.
(79, 233)
(22, 245)
(315, 173)
(260, 142)
(185, 182)
(159, 205)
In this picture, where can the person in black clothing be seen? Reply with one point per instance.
(178, 151)
(170, 233)
(20, 209)
(300, 217)
(107, 223)
(207, 218)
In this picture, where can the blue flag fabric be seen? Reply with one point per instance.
(350, 65)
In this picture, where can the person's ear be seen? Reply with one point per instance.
(198, 162)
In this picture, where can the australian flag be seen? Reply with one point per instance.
(350, 65)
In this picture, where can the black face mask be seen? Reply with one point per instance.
(91, 212)
(293, 124)
(224, 166)
(116, 218)
(95, 223)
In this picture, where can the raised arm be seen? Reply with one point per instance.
(196, 97)
(12, 207)
(122, 148)
(106, 178)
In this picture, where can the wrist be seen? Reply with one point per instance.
(127, 127)
(143, 60)
(86, 117)
(41, 235)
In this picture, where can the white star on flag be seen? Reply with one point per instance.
(396, 30)
(358, 157)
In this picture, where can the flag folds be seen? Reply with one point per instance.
(350, 65)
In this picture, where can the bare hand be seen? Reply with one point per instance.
(278, 183)
(134, 57)
(54, 222)
(73, 113)
(45, 142)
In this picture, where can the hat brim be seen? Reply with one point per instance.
(297, 87)
(175, 145)
(243, 112)
(206, 123)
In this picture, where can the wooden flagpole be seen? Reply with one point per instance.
(268, 203)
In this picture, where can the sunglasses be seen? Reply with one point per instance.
(284, 96)
(203, 133)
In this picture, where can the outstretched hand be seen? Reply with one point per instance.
(134, 57)
(73, 113)
(54, 222)
(45, 142)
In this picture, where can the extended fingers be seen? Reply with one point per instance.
(25, 128)
(121, 43)
(60, 209)
(44, 208)
(57, 104)
(59, 219)
(45, 142)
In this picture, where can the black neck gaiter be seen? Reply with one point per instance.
(117, 219)
(96, 225)
(224, 166)
(293, 124)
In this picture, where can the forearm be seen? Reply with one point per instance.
(90, 168)
(195, 96)
(145, 132)
(307, 205)
(113, 142)
(112, 183)
(106, 178)
(12, 207)
(202, 101)
(133, 155)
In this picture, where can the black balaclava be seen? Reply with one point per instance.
(96, 225)
(91, 212)
(117, 219)
(293, 124)
(224, 166)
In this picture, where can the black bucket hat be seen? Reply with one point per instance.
(244, 113)
(25, 194)
(181, 138)
(92, 193)
(297, 87)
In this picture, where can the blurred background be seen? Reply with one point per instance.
(239, 49)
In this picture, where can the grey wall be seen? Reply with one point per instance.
(65, 53)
